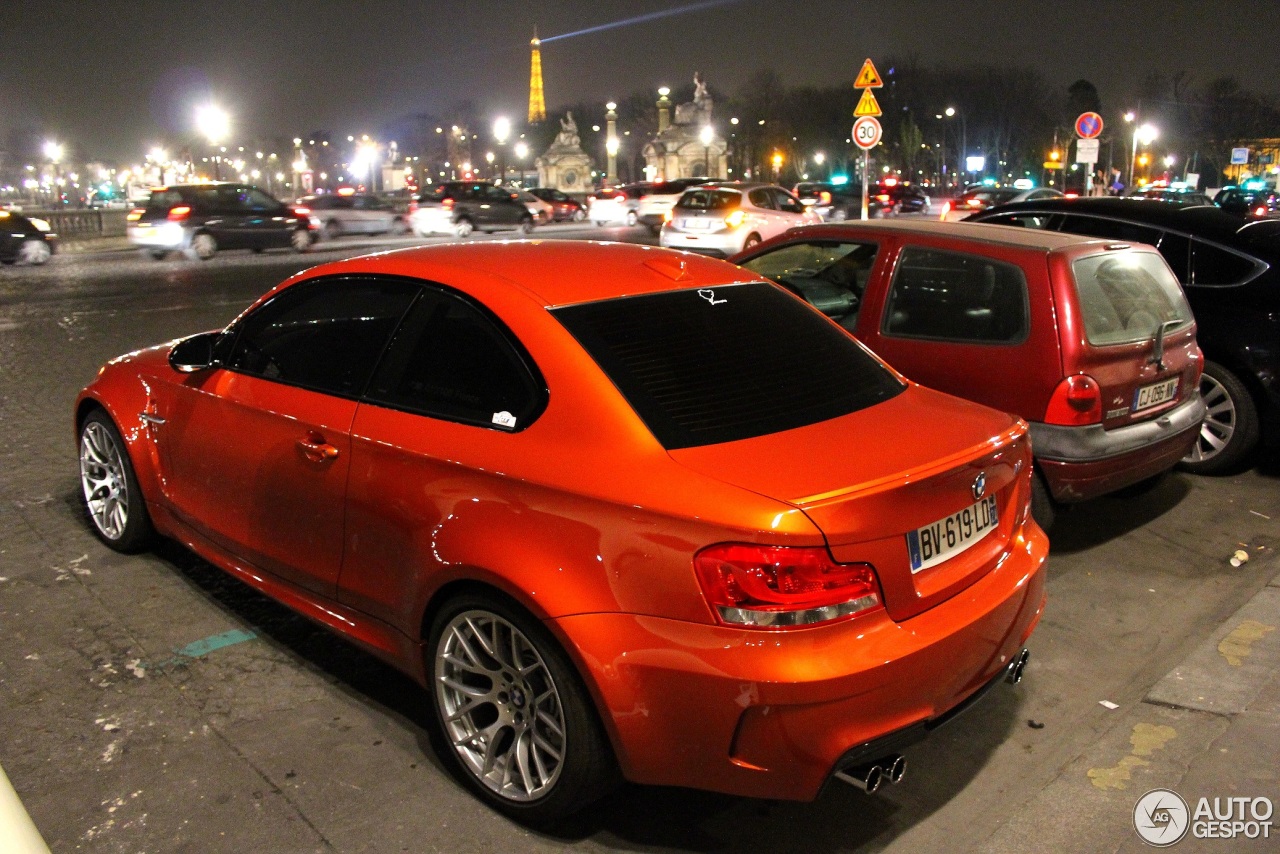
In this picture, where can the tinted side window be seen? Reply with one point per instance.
(452, 361)
(325, 335)
(952, 296)
(761, 198)
(1176, 249)
(1110, 229)
(784, 201)
(259, 200)
(1213, 265)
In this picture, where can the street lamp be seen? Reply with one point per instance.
(53, 151)
(706, 135)
(777, 165)
(964, 143)
(1145, 134)
(214, 125)
(501, 131)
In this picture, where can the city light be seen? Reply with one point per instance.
(213, 123)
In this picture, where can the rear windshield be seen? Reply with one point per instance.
(709, 200)
(1126, 297)
(702, 367)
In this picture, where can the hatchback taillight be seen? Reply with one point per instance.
(780, 587)
(735, 219)
(824, 198)
(447, 203)
(302, 212)
(1076, 401)
(135, 214)
(178, 213)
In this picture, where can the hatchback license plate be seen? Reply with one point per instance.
(1154, 394)
(946, 538)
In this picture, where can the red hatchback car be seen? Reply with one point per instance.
(621, 511)
(1090, 341)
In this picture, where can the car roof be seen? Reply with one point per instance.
(1003, 235)
(1199, 219)
(539, 268)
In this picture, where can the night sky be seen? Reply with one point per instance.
(116, 78)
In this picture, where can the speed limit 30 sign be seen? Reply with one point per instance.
(866, 132)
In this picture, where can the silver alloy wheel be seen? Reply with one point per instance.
(102, 476)
(1219, 423)
(500, 706)
(33, 252)
(632, 218)
(204, 246)
(463, 227)
(300, 240)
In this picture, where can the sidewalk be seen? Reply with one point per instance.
(1209, 729)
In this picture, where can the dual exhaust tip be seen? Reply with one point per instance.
(872, 775)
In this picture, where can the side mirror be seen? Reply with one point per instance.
(193, 354)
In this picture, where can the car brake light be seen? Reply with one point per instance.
(448, 204)
(178, 213)
(667, 215)
(882, 197)
(1260, 211)
(301, 211)
(621, 197)
(779, 587)
(735, 219)
(135, 214)
(413, 205)
(1076, 401)
(824, 198)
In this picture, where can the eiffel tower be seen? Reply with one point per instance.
(537, 104)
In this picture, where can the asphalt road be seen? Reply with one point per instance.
(149, 703)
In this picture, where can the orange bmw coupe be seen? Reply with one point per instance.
(623, 511)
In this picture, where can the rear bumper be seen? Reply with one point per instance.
(1084, 462)
(723, 243)
(164, 235)
(772, 714)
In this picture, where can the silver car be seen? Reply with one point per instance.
(726, 217)
(336, 214)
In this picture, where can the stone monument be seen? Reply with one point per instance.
(565, 166)
(679, 149)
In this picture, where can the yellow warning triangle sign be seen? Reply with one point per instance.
(868, 77)
(867, 105)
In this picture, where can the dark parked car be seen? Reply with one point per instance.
(1247, 201)
(895, 197)
(1171, 194)
(1091, 342)
(25, 240)
(200, 219)
(460, 207)
(564, 207)
(1230, 270)
(836, 202)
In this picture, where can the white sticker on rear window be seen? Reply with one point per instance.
(710, 296)
(504, 419)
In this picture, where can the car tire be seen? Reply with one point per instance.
(203, 246)
(34, 252)
(300, 240)
(505, 693)
(399, 227)
(155, 254)
(526, 226)
(599, 223)
(1230, 430)
(579, 215)
(1043, 508)
(332, 230)
(463, 227)
(753, 240)
(109, 488)
(632, 219)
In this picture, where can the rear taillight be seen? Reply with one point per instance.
(779, 587)
(621, 197)
(1260, 211)
(448, 204)
(735, 219)
(667, 215)
(883, 197)
(135, 214)
(1076, 401)
(824, 198)
(413, 205)
(302, 212)
(178, 213)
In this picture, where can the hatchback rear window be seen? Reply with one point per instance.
(1126, 296)
(713, 365)
(709, 200)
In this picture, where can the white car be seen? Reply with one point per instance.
(726, 217)
(654, 202)
(542, 212)
(616, 205)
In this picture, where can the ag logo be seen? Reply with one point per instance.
(1161, 817)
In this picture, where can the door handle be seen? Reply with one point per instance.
(316, 449)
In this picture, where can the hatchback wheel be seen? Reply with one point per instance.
(332, 230)
(517, 724)
(203, 246)
(1230, 429)
(463, 227)
(579, 215)
(109, 488)
(300, 240)
(632, 219)
(526, 226)
(34, 252)
(157, 254)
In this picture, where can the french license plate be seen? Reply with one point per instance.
(946, 538)
(696, 224)
(1154, 394)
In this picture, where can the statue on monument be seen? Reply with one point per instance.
(568, 136)
(697, 111)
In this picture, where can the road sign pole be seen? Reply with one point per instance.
(866, 155)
